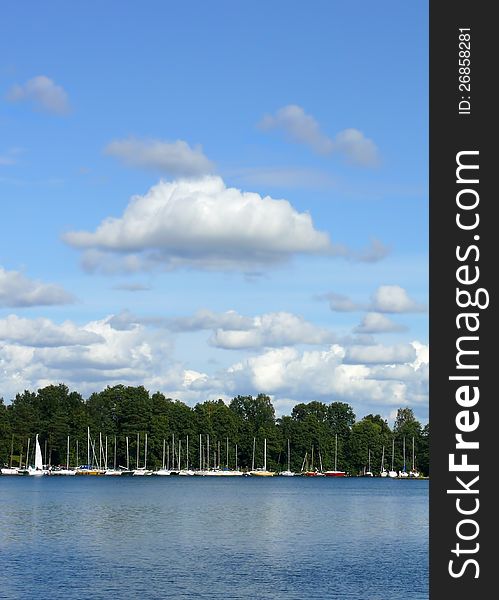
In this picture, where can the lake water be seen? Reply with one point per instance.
(193, 537)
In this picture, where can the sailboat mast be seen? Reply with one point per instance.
(105, 456)
(67, 455)
(164, 447)
(77, 453)
(413, 460)
(179, 450)
(145, 452)
(265, 454)
(383, 460)
(336, 452)
(114, 462)
(289, 458)
(235, 450)
(208, 451)
(200, 453)
(227, 457)
(127, 455)
(393, 451)
(11, 449)
(187, 453)
(404, 452)
(88, 447)
(253, 458)
(138, 444)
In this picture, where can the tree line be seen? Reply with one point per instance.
(332, 430)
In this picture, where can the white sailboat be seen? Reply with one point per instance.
(368, 473)
(383, 472)
(141, 471)
(288, 472)
(413, 472)
(404, 472)
(392, 473)
(38, 468)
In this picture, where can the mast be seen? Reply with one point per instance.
(312, 459)
(179, 449)
(67, 456)
(236, 455)
(145, 452)
(200, 453)
(383, 460)
(227, 456)
(105, 457)
(369, 459)
(265, 454)
(11, 449)
(27, 455)
(127, 455)
(404, 453)
(77, 453)
(187, 453)
(208, 451)
(88, 447)
(320, 460)
(114, 463)
(393, 451)
(253, 458)
(289, 458)
(138, 442)
(218, 454)
(336, 452)
(164, 447)
(100, 448)
(413, 459)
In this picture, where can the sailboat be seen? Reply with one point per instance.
(413, 472)
(335, 472)
(263, 471)
(64, 471)
(38, 468)
(383, 472)
(141, 471)
(403, 473)
(313, 472)
(164, 471)
(368, 473)
(392, 473)
(288, 473)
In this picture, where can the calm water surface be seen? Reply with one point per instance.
(238, 538)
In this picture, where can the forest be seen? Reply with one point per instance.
(332, 430)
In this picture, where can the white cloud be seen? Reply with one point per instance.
(272, 330)
(298, 127)
(386, 299)
(200, 223)
(44, 333)
(374, 322)
(302, 128)
(87, 357)
(43, 92)
(325, 375)
(380, 354)
(356, 148)
(394, 299)
(233, 331)
(16, 290)
(173, 158)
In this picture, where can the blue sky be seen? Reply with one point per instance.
(209, 113)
